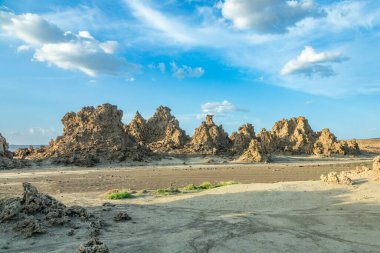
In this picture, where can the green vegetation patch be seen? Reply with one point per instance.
(207, 186)
(116, 194)
(167, 191)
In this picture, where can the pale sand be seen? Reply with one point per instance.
(303, 216)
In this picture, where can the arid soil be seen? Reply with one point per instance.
(369, 145)
(59, 180)
(298, 216)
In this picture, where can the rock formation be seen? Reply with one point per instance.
(93, 135)
(293, 136)
(94, 245)
(376, 164)
(242, 138)
(161, 132)
(327, 144)
(36, 212)
(6, 157)
(254, 153)
(210, 138)
(334, 178)
(138, 129)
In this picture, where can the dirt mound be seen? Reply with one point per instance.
(376, 163)
(254, 153)
(209, 138)
(334, 178)
(242, 138)
(35, 212)
(93, 135)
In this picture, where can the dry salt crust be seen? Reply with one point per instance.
(307, 216)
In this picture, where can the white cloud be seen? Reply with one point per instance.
(23, 48)
(65, 50)
(267, 16)
(311, 63)
(186, 71)
(218, 107)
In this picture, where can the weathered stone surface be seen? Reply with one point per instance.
(138, 129)
(293, 136)
(93, 135)
(161, 132)
(242, 138)
(6, 157)
(94, 245)
(376, 163)
(210, 138)
(35, 212)
(254, 153)
(334, 178)
(122, 216)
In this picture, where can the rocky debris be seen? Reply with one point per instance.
(122, 216)
(334, 178)
(94, 245)
(210, 138)
(93, 135)
(254, 153)
(376, 164)
(35, 212)
(28, 227)
(293, 136)
(242, 138)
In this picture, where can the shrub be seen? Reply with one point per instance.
(120, 195)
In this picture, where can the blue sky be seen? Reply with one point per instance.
(251, 61)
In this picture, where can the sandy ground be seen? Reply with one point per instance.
(61, 180)
(293, 216)
(369, 145)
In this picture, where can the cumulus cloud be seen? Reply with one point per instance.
(65, 50)
(267, 16)
(186, 71)
(310, 63)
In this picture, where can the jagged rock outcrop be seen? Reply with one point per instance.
(93, 135)
(242, 138)
(160, 133)
(138, 129)
(267, 140)
(94, 245)
(4, 146)
(209, 138)
(293, 136)
(327, 144)
(6, 157)
(376, 163)
(36, 212)
(254, 153)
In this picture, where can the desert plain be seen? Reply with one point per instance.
(148, 187)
